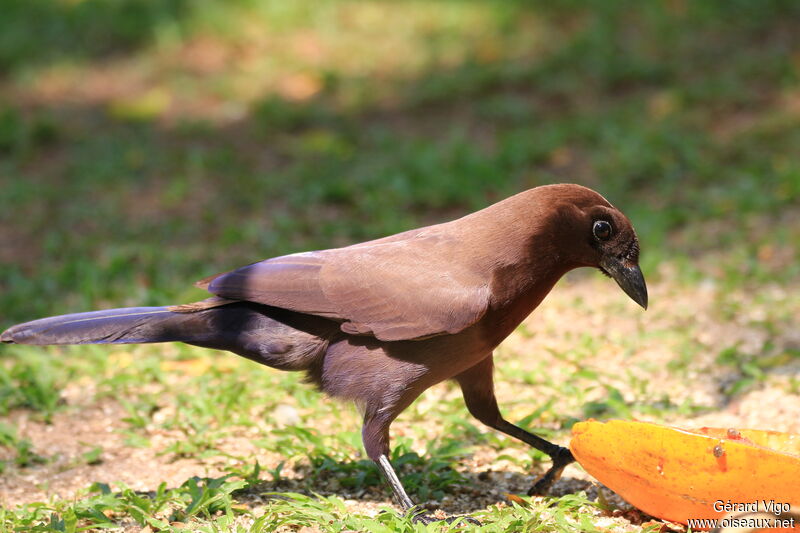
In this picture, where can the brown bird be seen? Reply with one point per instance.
(381, 321)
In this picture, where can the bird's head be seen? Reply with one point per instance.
(601, 236)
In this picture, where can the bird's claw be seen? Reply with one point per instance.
(561, 458)
(464, 520)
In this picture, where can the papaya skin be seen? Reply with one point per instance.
(677, 474)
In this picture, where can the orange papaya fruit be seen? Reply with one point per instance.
(680, 475)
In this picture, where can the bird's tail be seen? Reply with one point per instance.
(115, 326)
(274, 337)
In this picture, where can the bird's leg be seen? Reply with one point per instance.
(394, 482)
(375, 435)
(477, 387)
(560, 455)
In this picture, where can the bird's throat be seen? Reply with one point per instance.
(515, 298)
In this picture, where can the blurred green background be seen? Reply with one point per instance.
(145, 144)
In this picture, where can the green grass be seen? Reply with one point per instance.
(207, 505)
(144, 145)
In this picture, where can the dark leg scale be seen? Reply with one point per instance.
(561, 458)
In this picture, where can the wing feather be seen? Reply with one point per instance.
(403, 289)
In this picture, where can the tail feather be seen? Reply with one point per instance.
(115, 326)
(273, 337)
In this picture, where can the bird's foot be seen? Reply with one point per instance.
(561, 458)
(427, 518)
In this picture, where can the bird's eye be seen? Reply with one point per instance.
(602, 230)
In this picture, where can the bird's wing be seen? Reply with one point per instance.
(394, 290)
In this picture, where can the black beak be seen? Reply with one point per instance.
(629, 278)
